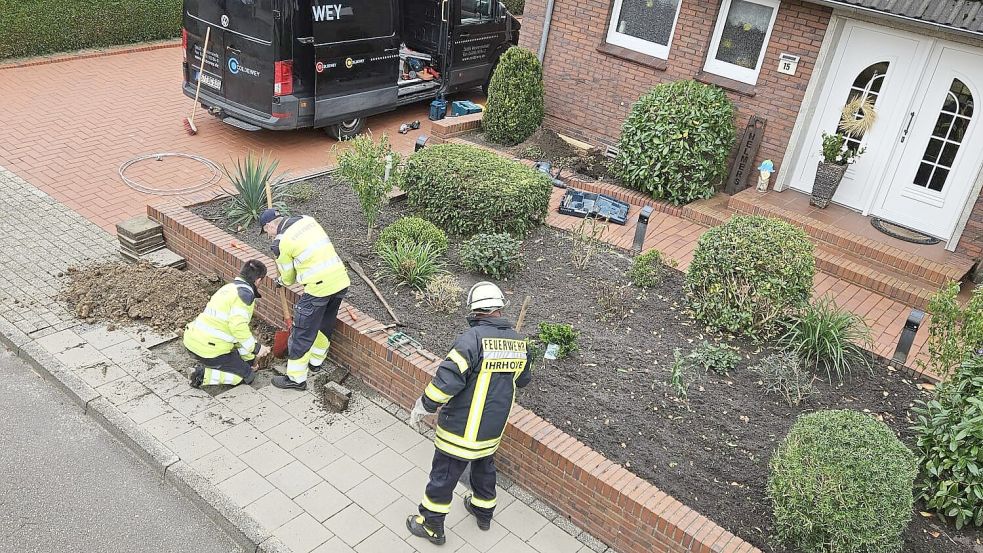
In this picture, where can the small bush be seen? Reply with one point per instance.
(364, 167)
(828, 340)
(561, 334)
(443, 294)
(841, 482)
(954, 332)
(467, 190)
(515, 98)
(412, 230)
(749, 272)
(614, 300)
(515, 7)
(647, 270)
(675, 142)
(249, 177)
(412, 264)
(782, 374)
(303, 191)
(949, 436)
(718, 359)
(495, 255)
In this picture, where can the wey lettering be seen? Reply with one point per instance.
(329, 12)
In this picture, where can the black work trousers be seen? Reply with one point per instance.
(444, 474)
(231, 362)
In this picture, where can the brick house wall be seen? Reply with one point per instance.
(589, 92)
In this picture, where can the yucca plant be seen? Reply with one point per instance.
(249, 177)
(411, 264)
(828, 339)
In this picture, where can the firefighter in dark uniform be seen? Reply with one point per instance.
(476, 386)
(220, 338)
(304, 254)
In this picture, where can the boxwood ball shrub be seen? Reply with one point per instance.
(675, 142)
(413, 230)
(748, 273)
(495, 255)
(841, 482)
(515, 7)
(467, 190)
(515, 98)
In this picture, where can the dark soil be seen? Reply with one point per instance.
(546, 145)
(710, 451)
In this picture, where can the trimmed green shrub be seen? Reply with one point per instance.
(413, 230)
(828, 339)
(647, 270)
(782, 374)
(34, 27)
(515, 98)
(675, 142)
(841, 482)
(467, 190)
(719, 359)
(363, 166)
(412, 264)
(748, 273)
(949, 436)
(954, 332)
(561, 334)
(249, 178)
(515, 7)
(495, 255)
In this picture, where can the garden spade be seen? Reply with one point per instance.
(280, 337)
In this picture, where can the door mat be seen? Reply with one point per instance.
(902, 233)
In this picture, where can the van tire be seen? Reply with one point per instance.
(347, 130)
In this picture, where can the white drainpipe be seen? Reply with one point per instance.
(546, 30)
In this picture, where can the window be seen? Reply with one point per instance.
(947, 136)
(476, 11)
(741, 38)
(867, 87)
(645, 26)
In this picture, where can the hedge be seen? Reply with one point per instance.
(35, 27)
(515, 98)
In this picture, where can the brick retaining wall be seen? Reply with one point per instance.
(608, 501)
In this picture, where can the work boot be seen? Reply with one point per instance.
(197, 377)
(284, 382)
(417, 526)
(314, 369)
(483, 524)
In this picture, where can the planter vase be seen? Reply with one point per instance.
(828, 177)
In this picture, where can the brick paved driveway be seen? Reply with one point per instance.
(67, 126)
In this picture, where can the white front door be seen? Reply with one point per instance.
(938, 153)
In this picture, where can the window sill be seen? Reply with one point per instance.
(633, 56)
(743, 89)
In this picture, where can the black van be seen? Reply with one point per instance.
(289, 64)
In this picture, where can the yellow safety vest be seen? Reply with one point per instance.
(224, 324)
(305, 255)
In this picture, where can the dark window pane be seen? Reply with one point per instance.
(942, 125)
(872, 76)
(924, 172)
(649, 20)
(963, 96)
(959, 129)
(948, 154)
(744, 33)
(932, 151)
(938, 179)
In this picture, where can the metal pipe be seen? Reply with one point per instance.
(546, 30)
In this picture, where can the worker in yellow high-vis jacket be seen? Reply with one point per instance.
(304, 254)
(220, 338)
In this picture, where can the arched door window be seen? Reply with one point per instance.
(947, 136)
(867, 87)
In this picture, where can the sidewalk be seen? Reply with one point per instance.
(269, 465)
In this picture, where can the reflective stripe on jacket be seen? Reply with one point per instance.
(476, 384)
(224, 324)
(304, 254)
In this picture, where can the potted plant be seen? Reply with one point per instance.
(858, 117)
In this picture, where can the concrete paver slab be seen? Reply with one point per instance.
(143, 408)
(369, 416)
(60, 341)
(193, 444)
(399, 437)
(240, 398)
(168, 426)
(241, 438)
(521, 520)
(388, 465)
(335, 428)
(218, 465)
(216, 418)
(353, 525)
(273, 510)
(267, 458)
(303, 534)
(168, 384)
(294, 479)
(81, 356)
(384, 541)
(265, 415)
(421, 454)
(373, 494)
(359, 445)
(394, 516)
(513, 544)
(190, 401)
(129, 350)
(553, 540)
(317, 453)
(344, 473)
(245, 487)
(482, 540)
(323, 501)
(101, 373)
(412, 483)
(334, 545)
(100, 337)
(122, 390)
(290, 434)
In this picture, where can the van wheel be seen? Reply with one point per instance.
(347, 130)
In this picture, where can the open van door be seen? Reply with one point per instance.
(477, 40)
(356, 62)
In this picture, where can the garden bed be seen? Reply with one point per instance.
(710, 452)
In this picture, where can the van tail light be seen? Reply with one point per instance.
(184, 44)
(283, 78)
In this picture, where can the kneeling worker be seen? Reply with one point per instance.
(304, 254)
(220, 337)
(476, 385)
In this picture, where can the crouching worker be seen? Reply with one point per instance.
(220, 338)
(476, 385)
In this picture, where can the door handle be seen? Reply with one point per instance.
(388, 50)
(904, 133)
(443, 11)
(305, 39)
(464, 35)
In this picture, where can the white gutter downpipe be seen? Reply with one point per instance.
(546, 30)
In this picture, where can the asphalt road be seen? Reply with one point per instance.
(68, 485)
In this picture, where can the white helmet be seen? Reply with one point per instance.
(485, 296)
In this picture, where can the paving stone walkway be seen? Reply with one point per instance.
(286, 473)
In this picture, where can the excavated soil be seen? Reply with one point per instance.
(546, 145)
(710, 451)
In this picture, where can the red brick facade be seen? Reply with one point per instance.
(589, 93)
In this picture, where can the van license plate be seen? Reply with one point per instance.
(210, 81)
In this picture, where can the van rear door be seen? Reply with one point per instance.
(240, 62)
(356, 55)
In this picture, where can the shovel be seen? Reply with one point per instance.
(280, 337)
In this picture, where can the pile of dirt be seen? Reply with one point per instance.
(546, 145)
(117, 292)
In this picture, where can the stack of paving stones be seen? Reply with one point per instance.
(142, 239)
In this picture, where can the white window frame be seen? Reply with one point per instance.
(637, 44)
(729, 70)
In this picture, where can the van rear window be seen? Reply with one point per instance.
(341, 20)
(253, 18)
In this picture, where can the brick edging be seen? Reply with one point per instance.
(605, 499)
(88, 53)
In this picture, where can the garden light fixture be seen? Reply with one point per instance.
(421, 142)
(640, 228)
(908, 335)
